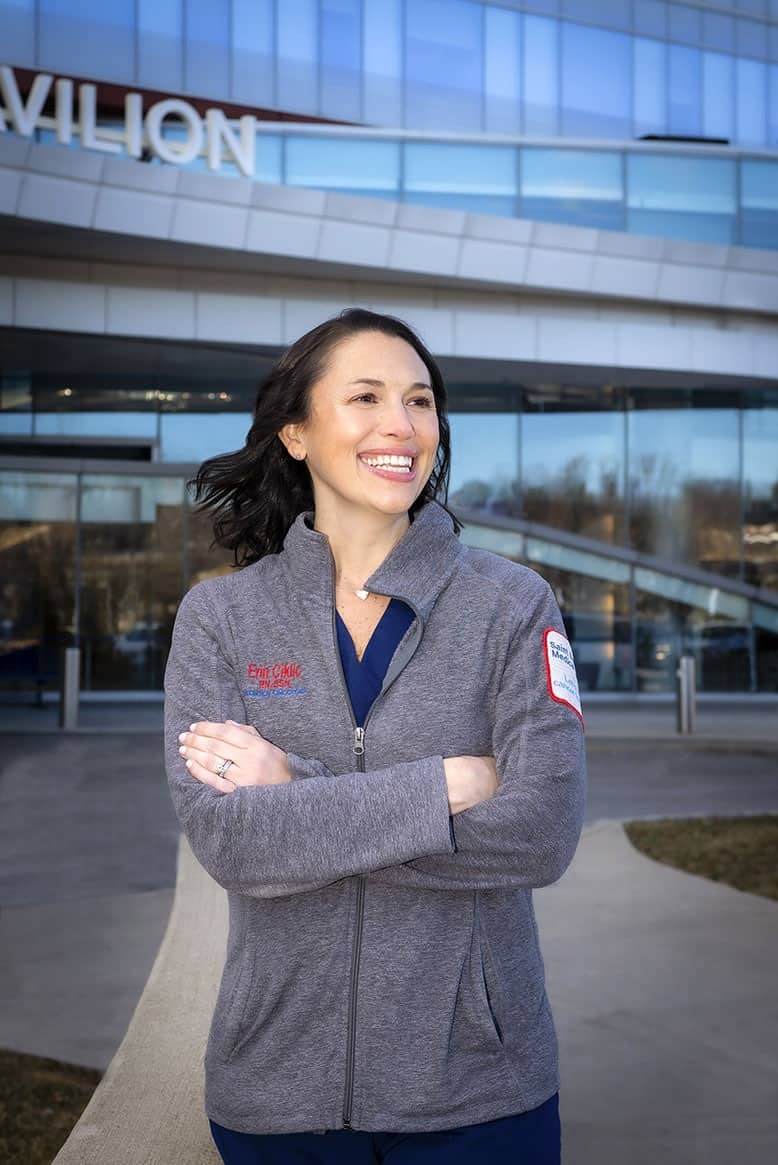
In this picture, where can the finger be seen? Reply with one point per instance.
(204, 757)
(214, 736)
(244, 727)
(206, 777)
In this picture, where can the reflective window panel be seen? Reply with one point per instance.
(207, 59)
(484, 461)
(751, 102)
(297, 47)
(584, 187)
(253, 52)
(596, 617)
(766, 647)
(540, 73)
(682, 197)
(480, 178)
(596, 82)
(88, 39)
(131, 578)
(160, 44)
(684, 498)
(193, 437)
(383, 62)
(718, 106)
(649, 86)
(502, 70)
(760, 495)
(443, 65)
(19, 19)
(667, 627)
(360, 166)
(572, 460)
(684, 105)
(37, 547)
(341, 59)
(759, 202)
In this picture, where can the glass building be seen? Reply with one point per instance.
(574, 201)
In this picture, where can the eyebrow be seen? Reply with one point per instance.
(381, 383)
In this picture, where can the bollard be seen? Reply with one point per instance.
(69, 693)
(685, 693)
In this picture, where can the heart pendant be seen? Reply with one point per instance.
(361, 594)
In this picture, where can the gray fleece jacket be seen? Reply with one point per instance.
(383, 971)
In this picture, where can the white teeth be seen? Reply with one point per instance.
(395, 461)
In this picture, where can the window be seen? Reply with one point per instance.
(751, 101)
(684, 483)
(484, 482)
(502, 81)
(383, 97)
(297, 35)
(160, 44)
(573, 467)
(540, 76)
(595, 82)
(89, 39)
(573, 186)
(469, 176)
(718, 86)
(649, 86)
(253, 63)
(685, 91)
(444, 78)
(681, 197)
(19, 33)
(207, 62)
(341, 59)
(350, 164)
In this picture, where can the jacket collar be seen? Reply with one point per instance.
(416, 569)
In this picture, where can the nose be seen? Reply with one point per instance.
(396, 420)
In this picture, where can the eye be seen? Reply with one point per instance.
(427, 402)
(365, 396)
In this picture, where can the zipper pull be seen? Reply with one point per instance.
(359, 741)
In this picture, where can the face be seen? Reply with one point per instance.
(371, 437)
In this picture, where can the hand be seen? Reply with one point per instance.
(470, 780)
(255, 761)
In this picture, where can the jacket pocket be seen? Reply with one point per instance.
(490, 983)
(232, 1006)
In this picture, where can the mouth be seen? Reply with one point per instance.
(393, 467)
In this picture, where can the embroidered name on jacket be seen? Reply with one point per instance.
(275, 679)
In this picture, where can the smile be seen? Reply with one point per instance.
(396, 465)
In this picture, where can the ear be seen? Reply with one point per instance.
(291, 439)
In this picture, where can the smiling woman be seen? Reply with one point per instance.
(378, 794)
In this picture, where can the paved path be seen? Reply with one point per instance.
(662, 984)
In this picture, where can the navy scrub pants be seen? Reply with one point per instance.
(530, 1138)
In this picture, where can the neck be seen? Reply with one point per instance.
(359, 541)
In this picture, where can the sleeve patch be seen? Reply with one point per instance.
(560, 670)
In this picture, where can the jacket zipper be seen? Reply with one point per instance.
(358, 748)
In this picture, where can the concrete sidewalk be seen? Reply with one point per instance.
(662, 984)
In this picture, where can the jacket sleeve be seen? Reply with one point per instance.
(527, 834)
(273, 840)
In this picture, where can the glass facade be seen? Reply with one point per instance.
(605, 69)
(651, 511)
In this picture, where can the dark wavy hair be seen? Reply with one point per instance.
(256, 492)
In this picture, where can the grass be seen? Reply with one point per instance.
(738, 851)
(40, 1101)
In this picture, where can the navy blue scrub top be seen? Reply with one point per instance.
(364, 677)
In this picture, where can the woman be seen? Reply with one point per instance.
(374, 744)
